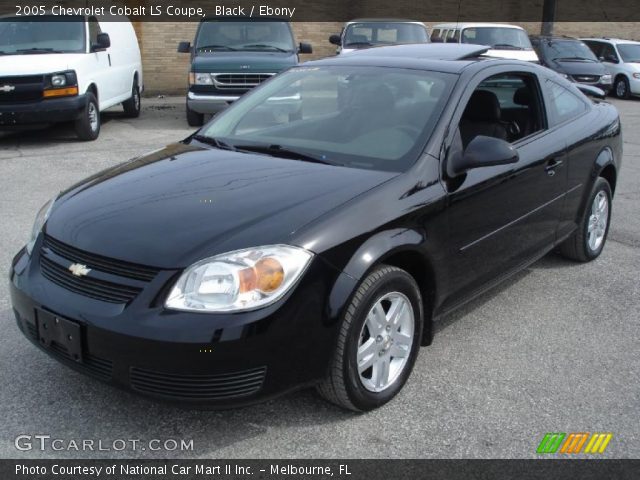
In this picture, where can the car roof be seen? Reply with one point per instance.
(611, 40)
(447, 57)
(553, 37)
(475, 24)
(382, 20)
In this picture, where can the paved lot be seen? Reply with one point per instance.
(553, 350)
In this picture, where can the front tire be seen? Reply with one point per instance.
(194, 119)
(621, 87)
(87, 126)
(588, 241)
(133, 105)
(378, 341)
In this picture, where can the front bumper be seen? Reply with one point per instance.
(52, 110)
(209, 104)
(191, 358)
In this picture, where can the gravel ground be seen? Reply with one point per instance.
(555, 349)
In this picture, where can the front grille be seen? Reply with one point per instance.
(586, 78)
(89, 287)
(97, 262)
(198, 387)
(235, 81)
(21, 89)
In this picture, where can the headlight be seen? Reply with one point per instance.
(41, 219)
(58, 80)
(606, 79)
(200, 79)
(240, 280)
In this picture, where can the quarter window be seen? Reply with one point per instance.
(563, 104)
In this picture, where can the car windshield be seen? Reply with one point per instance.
(23, 35)
(630, 52)
(361, 117)
(568, 50)
(365, 34)
(497, 37)
(258, 36)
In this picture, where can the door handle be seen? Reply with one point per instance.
(551, 166)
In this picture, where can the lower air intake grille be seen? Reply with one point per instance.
(91, 365)
(198, 387)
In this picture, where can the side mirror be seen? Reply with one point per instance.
(591, 91)
(102, 42)
(335, 39)
(184, 47)
(305, 48)
(484, 152)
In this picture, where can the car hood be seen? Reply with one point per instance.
(183, 203)
(245, 62)
(579, 67)
(38, 63)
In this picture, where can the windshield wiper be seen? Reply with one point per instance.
(214, 142)
(574, 59)
(366, 44)
(38, 50)
(507, 46)
(215, 47)
(284, 152)
(264, 45)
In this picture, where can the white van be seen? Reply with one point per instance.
(58, 69)
(506, 41)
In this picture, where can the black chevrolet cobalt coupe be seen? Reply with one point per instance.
(311, 234)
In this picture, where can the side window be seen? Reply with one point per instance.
(596, 47)
(435, 35)
(506, 106)
(94, 30)
(563, 104)
(609, 53)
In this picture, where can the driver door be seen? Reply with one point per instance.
(502, 216)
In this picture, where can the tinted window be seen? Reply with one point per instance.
(257, 36)
(563, 104)
(435, 35)
(497, 37)
(94, 30)
(566, 50)
(378, 33)
(49, 33)
(630, 52)
(362, 117)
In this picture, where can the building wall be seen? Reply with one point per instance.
(165, 70)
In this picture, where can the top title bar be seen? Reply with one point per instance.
(331, 10)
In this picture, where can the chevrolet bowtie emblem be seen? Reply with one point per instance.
(7, 88)
(79, 270)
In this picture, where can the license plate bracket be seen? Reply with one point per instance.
(65, 333)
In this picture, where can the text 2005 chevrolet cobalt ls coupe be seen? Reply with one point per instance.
(311, 233)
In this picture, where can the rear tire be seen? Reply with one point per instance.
(133, 105)
(194, 119)
(376, 350)
(587, 242)
(87, 126)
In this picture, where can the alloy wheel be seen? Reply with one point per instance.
(385, 341)
(597, 226)
(93, 116)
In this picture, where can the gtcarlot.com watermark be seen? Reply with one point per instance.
(43, 443)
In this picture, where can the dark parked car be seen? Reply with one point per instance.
(266, 253)
(230, 56)
(572, 59)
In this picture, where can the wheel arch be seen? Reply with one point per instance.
(93, 88)
(605, 167)
(405, 249)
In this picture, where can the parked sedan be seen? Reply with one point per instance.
(271, 251)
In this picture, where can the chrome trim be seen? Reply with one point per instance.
(212, 98)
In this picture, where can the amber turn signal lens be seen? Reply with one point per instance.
(266, 275)
(60, 92)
